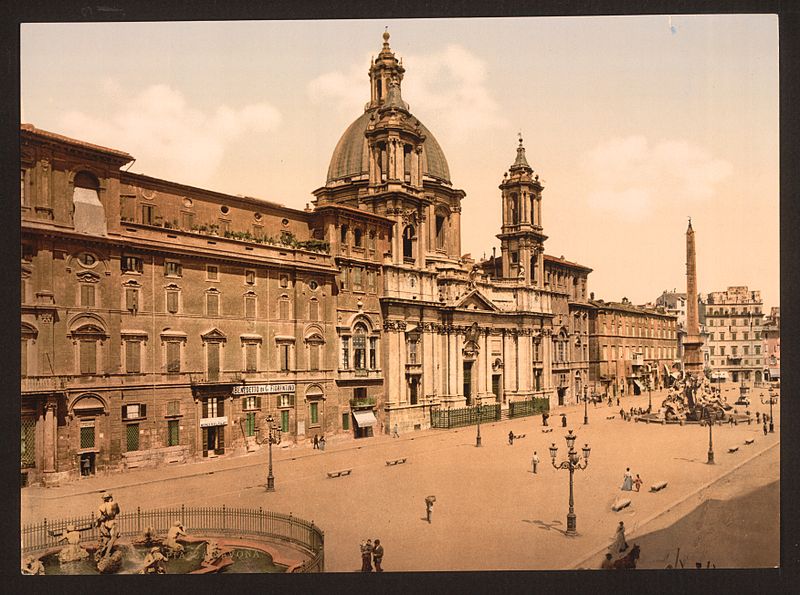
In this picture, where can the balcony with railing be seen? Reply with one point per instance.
(365, 403)
(358, 374)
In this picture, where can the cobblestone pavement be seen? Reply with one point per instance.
(491, 512)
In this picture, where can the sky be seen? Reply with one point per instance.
(633, 123)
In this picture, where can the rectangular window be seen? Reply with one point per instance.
(313, 356)
(343, 279)
(132, 437)
(371, 281)
(173, 357)
(284, 354)
(314, 413)
(172, 268)
(746, 350)
(286, 400)
(148, 214)
(131, 264)
(357, 273)
(345, 421)
(250, 277)
(251, 402)
(711, 350)
(251, 357)
(28, 442)
(212, 304)
(213, 407)
(133, 357)
(212, 272)
(88, 357)
(345, 353)
(173, 436)
(173, 407)
(134, 411)
(87, 434)
(87, 295)
(373, 353)
(172, 302)
(213, 360)
(187, 220)
(224, 225)
(412, 351)
(285, 420)
(515, 257)
(131, 299)
(283, 309)
(758, 349)
(250, 306)
(250, 424)
(722, 350)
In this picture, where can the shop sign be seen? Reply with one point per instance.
(209, 422)
(260, 389)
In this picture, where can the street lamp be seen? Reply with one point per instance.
(585, 405)
(274, 438)
(649, 389)
(571, 463)
(478, 436)
(710, 423)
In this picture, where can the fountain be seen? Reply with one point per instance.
(235, 541)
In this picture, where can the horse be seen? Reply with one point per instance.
(628, 562)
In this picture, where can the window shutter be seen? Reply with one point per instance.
(124, 412)
(221, 440)
(244, 402)
(221, 407)
(205, 409)
(258, 402)
(172, 302)
(142, 410)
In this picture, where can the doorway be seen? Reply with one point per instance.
(468, 382)
(87, 464)
(496, 388)
(214, 440)
(562, 393)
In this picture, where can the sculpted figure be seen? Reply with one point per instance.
(73, 551)
(154, 562)
(171, 543)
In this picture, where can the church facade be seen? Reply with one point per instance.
(163, 322)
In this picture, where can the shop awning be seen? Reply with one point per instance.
(774, 373)
(639, 384)
(365, 419)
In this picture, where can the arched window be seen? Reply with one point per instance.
(514, 208)
(360, 346)
(440, 231)
(357, 234)
(409, 237)
(344, 234)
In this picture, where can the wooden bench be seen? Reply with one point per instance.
(547, 430)
(610, 416)
(657, 487)
(521, 436)
(620, 504)
(341, 473)
(733, 449)
(396, 461)
(749, 442)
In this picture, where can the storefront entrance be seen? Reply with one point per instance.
(214, 440)
(365, 421)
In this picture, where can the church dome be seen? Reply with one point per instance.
(351, 156)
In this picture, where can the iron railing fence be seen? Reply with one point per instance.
(205, 521)
(463, 416)
(532, 406)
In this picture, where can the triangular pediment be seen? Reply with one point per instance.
(475, 300)
(214, 335)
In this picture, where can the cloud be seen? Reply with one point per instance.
(169, 137)
(632, 176)
(450, 86)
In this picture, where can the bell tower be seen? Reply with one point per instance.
(521, 237)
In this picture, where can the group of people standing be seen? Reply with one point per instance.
(371, 553)
(629, 483)
(319, 442)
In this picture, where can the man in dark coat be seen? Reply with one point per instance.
(377, 555)
(563, 421)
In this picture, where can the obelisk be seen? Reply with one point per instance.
(692, 342)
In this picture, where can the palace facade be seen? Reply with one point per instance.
(163, 322)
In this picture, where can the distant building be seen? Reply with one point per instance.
(735, 326)
(630, 345)
(772, 345)
(675, 303)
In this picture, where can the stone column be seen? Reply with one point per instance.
(456, 235)
(50, 435)
(458, 342)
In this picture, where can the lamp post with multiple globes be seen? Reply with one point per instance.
(274, 438)
(572, 462)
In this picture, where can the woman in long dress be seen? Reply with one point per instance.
(627, 482)
(619, 544)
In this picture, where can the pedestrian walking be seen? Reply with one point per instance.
(316, 441)
(395, 432)
(617, 401)
(619, 544)
(627, 481)
(545, 415)
(366, 556)
(322, 443)
(637, 483)
(563, 420)
(510, 438)
(377, 555)
(429, 507)
(765, 425)
(535, 461)
(758, 417)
